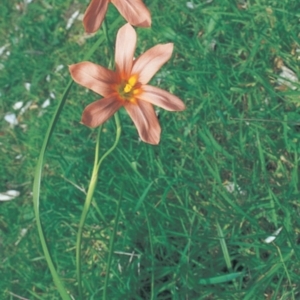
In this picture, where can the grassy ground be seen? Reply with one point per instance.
(180, 222)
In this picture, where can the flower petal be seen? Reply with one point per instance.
(151, 61)
(125, 47)
(134, 12)
(94, 77)
(161, 98)
(145, 120)
(94, 15)
(99, 111)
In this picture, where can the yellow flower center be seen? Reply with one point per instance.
(128, 89)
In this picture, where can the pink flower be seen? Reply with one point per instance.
(127, 86)
(134, 11)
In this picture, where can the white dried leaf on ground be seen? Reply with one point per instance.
(190, 5)
(298, 53)
(59, 68)
(11, 118)
(27, 86)
(25, 107)
(9, 195)
(272, 237)
(72, 19)
(231, 187)
(287, 78)
(3, 48)
(23, 232)
(46, 103)
(18, 105)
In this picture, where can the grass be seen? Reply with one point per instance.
(180, 231)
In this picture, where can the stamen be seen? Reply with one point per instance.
(130, 84)
(132, 80)
(127, 88)
(136, 91)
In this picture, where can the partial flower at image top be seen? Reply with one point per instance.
(127, 86)
(134, 12)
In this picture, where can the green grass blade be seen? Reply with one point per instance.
(224, 247)
(143, 197)
(220, 279)
(151, 251)
(111, 246)
(36, 195)
(38, 175)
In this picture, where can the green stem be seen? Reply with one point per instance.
(89, 197)
(111, 247)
